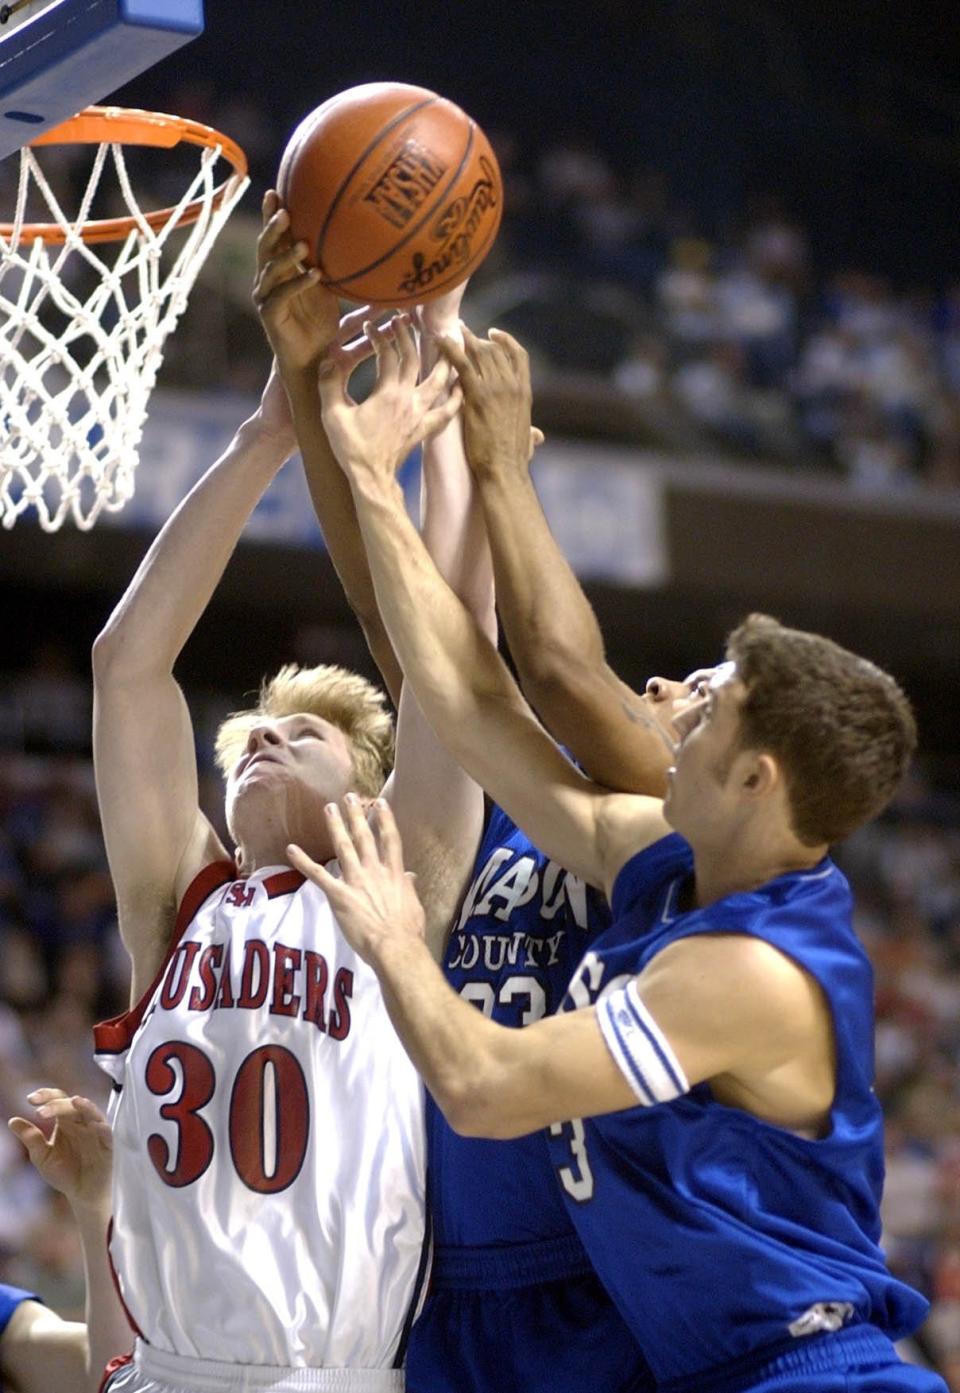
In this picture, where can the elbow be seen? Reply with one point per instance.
(107, 648)
(476, 1108)
(553, 673)
(486, 1087)
(118, 656)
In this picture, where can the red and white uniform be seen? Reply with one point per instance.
(269, 1163)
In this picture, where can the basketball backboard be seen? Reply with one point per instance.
(58, 56)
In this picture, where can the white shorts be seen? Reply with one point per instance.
(155, 1371)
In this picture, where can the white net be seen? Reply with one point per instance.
(82, 329)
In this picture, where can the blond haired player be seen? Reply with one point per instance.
(269, 1174)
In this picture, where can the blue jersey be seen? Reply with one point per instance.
(523, 928)
(10, 1299)
(717, 1234)
(515, 1306)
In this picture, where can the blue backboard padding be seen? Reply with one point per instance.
(183, 15)
(78, 52)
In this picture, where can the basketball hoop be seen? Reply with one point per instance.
(77, 365)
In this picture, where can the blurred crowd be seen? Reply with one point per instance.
(62, 968)
(766, 354)
(905, 871)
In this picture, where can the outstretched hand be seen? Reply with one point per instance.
(299, 315)
(374, 898)
(494, 374)
(372, 438)
(72, 1147)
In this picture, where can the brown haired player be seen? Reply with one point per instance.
(724, 1161)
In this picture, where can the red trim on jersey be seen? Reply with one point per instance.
(119, 1362)
(200, 889)
(283, 883)
(114, 1036)
(116, 1286)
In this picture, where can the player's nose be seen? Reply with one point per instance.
(662, 689)
(262, 734)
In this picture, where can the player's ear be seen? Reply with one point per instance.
(760, 775)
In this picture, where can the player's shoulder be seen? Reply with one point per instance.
(740, 973)
(805, 914)
(627, 824)
(738, 958)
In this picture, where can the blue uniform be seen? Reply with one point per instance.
(515, 1306)
(10, 1299)
(742, 1255)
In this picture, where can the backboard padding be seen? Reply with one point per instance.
(73, 53)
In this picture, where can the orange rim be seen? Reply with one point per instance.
(117, 125)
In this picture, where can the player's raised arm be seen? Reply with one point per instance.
(550, 625)
(437, 804)
(462, 685)
(156, 837)
(72, 1150)
(298, 316)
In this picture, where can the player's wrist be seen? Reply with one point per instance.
(273, 442)
(446, 326)
(299, 374)
(300, 385)
(374, 480)
(500, 468)
(92, 1212)
(393, 951)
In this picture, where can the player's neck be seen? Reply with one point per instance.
(273, 852)
(726, 869)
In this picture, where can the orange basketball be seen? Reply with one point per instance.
(395, 190)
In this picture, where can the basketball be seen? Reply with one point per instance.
(395, 190)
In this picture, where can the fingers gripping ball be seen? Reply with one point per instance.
(395, 190)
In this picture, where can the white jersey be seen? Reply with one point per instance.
(269, 1153)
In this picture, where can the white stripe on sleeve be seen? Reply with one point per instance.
(639, 1047)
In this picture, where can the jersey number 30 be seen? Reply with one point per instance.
(269, 1116)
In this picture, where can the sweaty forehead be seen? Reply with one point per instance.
(726, 688)
(723, 675)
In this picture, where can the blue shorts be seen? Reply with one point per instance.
(859, 1359)
(489, 1326)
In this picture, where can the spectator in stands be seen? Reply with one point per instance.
(687, 293)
